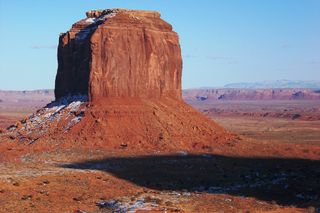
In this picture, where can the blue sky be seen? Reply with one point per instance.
(223, 41)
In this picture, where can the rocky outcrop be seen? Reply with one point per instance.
(127, 67)
(119, 53)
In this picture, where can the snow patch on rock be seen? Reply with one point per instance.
(84, 33)
(101, 18)
(69, 108)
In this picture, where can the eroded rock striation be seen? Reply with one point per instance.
(119, 53)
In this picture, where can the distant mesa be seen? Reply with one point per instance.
(288, 84)
(237, 94)
(264, 90)
(118, 85)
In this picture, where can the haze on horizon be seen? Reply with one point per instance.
(222, 41)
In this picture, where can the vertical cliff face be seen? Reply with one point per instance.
(74, 58)
(120, 53)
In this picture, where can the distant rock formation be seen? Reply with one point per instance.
(119, 53)
(225, 94)
(285, 84)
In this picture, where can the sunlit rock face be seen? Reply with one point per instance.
(119, 53)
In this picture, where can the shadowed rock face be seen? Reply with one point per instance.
(119, 53)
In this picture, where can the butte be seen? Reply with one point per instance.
(118, 86)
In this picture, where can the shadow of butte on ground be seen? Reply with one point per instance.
(285, 181)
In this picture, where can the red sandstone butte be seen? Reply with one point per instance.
(129, 64)
(120, 53)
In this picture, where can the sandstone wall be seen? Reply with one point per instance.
(120, 53)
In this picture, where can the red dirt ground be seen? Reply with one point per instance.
(241, 175)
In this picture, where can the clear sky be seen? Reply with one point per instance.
(223, 41)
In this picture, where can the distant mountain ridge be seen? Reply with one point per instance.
(236, 94)
(275, 84)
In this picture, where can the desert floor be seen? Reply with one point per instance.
(274, 168)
